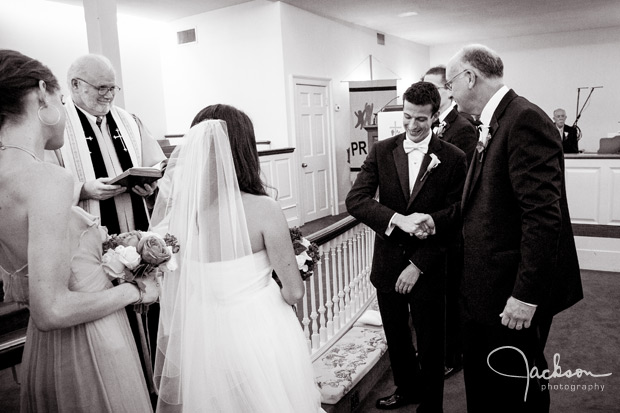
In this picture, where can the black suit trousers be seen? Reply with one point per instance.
(508, 352)
(418, 376)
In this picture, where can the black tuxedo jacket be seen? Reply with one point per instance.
(518, 238)
(439, 193)
(569, 140)
(460, 132)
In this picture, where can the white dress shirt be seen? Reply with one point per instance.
(415, 159)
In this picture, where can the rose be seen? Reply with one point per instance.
(300, 245)
(302, 260)
(128, 256)
(153, 249)
(112, 264)
(129, 239)
(117, 261)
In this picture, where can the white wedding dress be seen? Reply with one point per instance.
(228, 342)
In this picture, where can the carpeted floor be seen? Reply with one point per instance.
(586, 337)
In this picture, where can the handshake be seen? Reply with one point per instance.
(418, 224)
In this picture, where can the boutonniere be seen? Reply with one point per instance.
(483, 141)
(434, 162)
(566, 134)
(441, 128)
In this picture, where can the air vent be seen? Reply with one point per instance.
(380, 38)
(186, 36)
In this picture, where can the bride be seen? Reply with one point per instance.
(228, 339)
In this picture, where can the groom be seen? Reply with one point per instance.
(416, 173)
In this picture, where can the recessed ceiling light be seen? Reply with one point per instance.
(408, 14)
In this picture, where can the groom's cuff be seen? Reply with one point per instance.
(391, 226)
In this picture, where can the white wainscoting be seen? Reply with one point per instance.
(278, 171)
(593, 192)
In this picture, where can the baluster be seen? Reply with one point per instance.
(366, 266)
(354, 285)
(305, 321)
(360, 262)
(345, 270)
(313, 314)
(370, 235)
(335, 285)
(343, 316)
(329, 303)
(322, 326)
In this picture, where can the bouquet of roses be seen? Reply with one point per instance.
(130, 256)
(306, 253)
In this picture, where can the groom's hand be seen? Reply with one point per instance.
(420, 225)
(407, 279)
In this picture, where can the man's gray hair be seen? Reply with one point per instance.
(483, 59)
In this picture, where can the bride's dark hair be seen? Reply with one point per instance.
(242, 143)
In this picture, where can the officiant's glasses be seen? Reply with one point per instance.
(103, 90)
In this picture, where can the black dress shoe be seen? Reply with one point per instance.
(394, 402)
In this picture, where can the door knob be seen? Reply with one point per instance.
(304, 165)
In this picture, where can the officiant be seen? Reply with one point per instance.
(101, 141)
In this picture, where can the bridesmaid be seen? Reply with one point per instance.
(79, 355)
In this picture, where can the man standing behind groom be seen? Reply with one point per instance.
(416, 174)
(520, 262)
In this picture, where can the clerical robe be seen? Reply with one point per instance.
(75, 155)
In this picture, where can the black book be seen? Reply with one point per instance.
(138, 175)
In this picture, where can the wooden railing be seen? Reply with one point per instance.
(339, 291)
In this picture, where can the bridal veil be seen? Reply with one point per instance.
(200, 204)
(227, 339)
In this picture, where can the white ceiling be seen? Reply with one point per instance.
(437, 21)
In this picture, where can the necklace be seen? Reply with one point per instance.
(29, 152)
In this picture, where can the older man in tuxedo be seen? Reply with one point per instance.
(420, 180)
(568, 134)
(520, 261)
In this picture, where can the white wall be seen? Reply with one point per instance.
(237, 60)
(321, 48)
(55, 34)
(140, 47)
(548, 69)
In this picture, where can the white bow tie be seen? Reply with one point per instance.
(411, 146)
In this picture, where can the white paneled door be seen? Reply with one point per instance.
(312, 133)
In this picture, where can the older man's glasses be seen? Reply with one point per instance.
(103, 90)
(448, 84)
